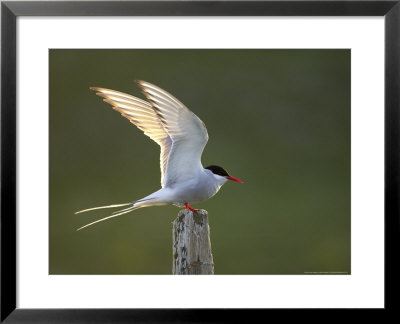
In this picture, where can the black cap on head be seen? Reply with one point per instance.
(218, 170)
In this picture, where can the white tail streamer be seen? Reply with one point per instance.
(121, 212)
(102, 207)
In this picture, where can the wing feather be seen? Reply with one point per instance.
(140, 113)
(181, 135)
(187, 132)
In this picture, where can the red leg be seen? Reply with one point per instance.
(191, 208)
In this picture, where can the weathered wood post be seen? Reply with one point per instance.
(191, 246)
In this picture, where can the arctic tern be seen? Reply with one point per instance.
(182, 137)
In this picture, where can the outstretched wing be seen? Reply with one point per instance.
(187, 132)
(143, 115)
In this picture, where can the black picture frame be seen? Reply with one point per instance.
(10, 10)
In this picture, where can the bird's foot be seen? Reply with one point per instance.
(191, 208)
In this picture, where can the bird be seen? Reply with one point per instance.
(181, 136)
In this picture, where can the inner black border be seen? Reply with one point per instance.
(10, 10)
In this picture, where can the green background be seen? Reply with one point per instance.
(277, 119)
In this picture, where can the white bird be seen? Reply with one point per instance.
(182, 137)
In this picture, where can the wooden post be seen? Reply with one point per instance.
(191, 246)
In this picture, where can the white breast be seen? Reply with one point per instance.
(197, 189)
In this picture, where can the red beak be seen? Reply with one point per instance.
(234, 179)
